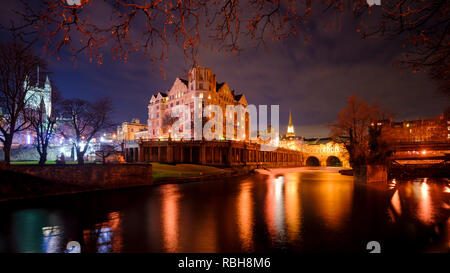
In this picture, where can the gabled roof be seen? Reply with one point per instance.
(184, 81)
(219, 85)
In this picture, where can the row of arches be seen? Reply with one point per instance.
(332, 161)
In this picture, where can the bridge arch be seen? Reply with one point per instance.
(333, 161)
(312, 161)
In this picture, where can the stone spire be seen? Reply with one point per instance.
(290, 129)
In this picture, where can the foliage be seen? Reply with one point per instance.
(359, 123)
(153, 26)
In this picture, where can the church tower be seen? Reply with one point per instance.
(290, 129)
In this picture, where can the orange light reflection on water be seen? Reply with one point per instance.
(169, 217)
(245, 216)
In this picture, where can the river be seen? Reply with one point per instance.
(284, 210)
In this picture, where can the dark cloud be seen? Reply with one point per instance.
(312, 80)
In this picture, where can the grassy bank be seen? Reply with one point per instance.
(160, 170)
(184, 170)
(22, 186)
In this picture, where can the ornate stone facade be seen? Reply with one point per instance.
(201, 83)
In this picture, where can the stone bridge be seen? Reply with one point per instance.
(325, 152)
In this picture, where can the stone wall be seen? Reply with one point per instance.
(108, 176)
(371, 174)
(29, 153)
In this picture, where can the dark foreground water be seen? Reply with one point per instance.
(301, 211)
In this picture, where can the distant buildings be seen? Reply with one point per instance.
(38, 94)
(201, 83)
(433, 129)
(132, 130)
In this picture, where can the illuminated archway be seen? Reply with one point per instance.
(312, 161)
(333, 161)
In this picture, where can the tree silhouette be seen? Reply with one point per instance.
(18, 66)
(153, 26)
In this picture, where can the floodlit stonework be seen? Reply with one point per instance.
(200, 84)
(132, 130)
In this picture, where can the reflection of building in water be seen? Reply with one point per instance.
(335, 203)
(283, 208)
(51, 239)
(274, 209)
(423, 198)
(292, 206)
(170, 217)
(105, 237)
(245, 216)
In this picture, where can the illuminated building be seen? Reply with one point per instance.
(290, 141)
(326, 152)
(290, 129)
(132, 130)
(37, 94)
(201, 83)
(433, 129)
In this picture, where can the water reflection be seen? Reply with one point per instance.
(332, 196)
(423, 200)
(292, 206)
(106, 236)
(169, 217)
(51, 239)
(274, 209)
(245, 216)
(303, 211)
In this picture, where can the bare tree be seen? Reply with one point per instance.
(18, 67)
(84, 121)
(152, 26)
(354, 122)
(44, 124)
(167, 122)
(105, 151)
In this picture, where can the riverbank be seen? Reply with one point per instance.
(16, 184)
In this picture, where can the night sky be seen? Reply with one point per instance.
(312, 80)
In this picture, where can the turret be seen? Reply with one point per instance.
(47, 83)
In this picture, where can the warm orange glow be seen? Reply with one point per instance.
(335, 202)
(245, 216)
(395, 201)
(292, 206)
(170, 214)
(273, 209)
(424, 204)
(107, 236)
